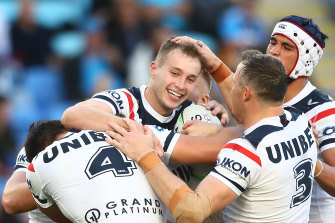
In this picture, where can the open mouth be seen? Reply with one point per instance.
(175, 94)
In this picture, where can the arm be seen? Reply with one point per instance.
(184, 203)
(192, 149)
(325, 176)
(90, 114)
(16, 196)
(201, 128)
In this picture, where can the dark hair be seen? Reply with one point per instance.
(187, 48)
(40, 135)
(265, 74)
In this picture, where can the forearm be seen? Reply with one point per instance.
(185, 204)
(164, 183)
(17, 198)
(326, 179)
(196, 150)
(87, 117)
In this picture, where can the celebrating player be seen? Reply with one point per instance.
(266, 175)
(298, 43)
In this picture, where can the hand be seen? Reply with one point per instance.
(212, 62)
(200, 128)
(135, 143)
(315, 133)
(219, 111)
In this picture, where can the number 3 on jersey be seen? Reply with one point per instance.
(107, 159)
(304, 181)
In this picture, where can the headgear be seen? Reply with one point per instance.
(307, 37)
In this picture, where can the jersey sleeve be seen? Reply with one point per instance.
(35, 186)
(121, 101)
(325, 126)
(238, 166)
(21, 163)
(167, 139)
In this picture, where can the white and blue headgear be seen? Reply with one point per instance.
(309, 42)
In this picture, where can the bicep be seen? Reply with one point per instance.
(219, 194)
(329, 156)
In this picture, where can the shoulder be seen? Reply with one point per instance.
(241, 149)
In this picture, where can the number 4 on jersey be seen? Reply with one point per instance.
(107, 159)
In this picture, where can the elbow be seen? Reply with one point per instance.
(10, 205)
(67, 118)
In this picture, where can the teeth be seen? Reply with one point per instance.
(174, 93)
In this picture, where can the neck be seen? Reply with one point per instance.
(256, 114)
(294, 88)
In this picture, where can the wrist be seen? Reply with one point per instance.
(148, 161)
(221, 73)
(318, 168)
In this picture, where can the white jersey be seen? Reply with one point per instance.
(35, 216)
(92, 181)
(132, 104)
(320, 109)
(271, 169)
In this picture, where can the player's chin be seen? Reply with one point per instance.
(173, 104)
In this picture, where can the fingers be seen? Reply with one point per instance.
(118, 128)
(225, 118)
(156, 143)
(131, 124)
(115, 140)
(189, 123)
(186, 39)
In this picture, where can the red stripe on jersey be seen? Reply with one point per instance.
(244, 151)
(31, 167)
(323, 114)
(131, 106)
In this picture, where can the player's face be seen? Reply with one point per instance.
(173, 80)
(285, 50)
(237, 95)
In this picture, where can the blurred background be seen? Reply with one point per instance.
(55, 53)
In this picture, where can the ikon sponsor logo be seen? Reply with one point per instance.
(234, 166)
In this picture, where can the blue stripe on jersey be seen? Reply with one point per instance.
(256, 136)
(168, 141)
(19, 166)
(40, 200)
(109, 100)
(326, 142)
(295, 113)
(183, 172)
(239, 187)
(315, 98)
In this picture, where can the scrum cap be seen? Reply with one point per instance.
(307, 37)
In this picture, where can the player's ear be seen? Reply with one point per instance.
(204, 100)
(152, 69)
(247, 93)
